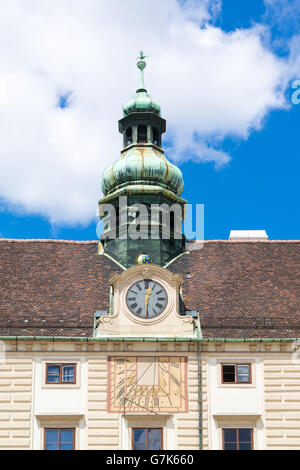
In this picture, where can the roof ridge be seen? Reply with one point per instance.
(45, 240)
(243, 241)
(53, 240)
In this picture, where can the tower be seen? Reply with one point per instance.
(142, 209)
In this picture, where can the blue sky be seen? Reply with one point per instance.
(256, 185)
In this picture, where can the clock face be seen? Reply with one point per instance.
(146, 299)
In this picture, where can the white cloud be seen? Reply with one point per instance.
(210, 84)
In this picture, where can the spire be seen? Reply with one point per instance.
(142, 101)
(141, 64)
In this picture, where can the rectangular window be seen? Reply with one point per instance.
(61, 373)
(147, 439)
(236, 373)
(59, 439)
(238, 439)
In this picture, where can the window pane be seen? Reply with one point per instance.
(51, 439)
(139, 446)
(243, 373)
(53, 374)
(52, 447)
(68, 374)
(155, 445)
(66, 447)
(66, 436)
(228, 373)
(154, 434)
(244, 435)
(230, 446)
(140, 435)
(230, 435)
(243, 446)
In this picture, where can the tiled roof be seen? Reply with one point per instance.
(241, 289)
(244, 289)
(52, 288)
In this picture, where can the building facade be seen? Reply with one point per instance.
(149, 342)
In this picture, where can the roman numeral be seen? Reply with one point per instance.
(159, 292)
(161, 299)
(133, 305)
(139, 287)
(139, 311)
(159, 306)
(131, 299)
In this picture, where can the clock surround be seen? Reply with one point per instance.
(122, 322)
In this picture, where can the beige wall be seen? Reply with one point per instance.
(103, 428)
(16, 403)
(282, 403)
(271, 406)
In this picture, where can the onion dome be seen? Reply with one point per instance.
(140, 103)
(142, 165)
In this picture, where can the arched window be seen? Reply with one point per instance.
(128, 136)
(155, 136)
(142, 134)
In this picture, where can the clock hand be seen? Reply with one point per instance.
(148, 292)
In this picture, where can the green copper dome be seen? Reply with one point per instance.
(142, 165)
(141, 102)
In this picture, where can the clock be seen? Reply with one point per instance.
(147, 384)
(146, 299)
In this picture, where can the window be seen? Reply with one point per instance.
(59, 439)
(155, 136)
(238, 439)
(128, 136)
(61, 374)
(147, 438)
(236, 373)
(142, 134)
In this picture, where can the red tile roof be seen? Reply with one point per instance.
(241, 289)
(244, 289)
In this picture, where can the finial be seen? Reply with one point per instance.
(141, 64)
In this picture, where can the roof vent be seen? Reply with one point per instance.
(248, 235)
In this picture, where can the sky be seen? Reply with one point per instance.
(226, 74)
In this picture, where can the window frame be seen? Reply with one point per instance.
(61, 365)
(59, 439)
(226, 428)
(147, 441)
(236, 364)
